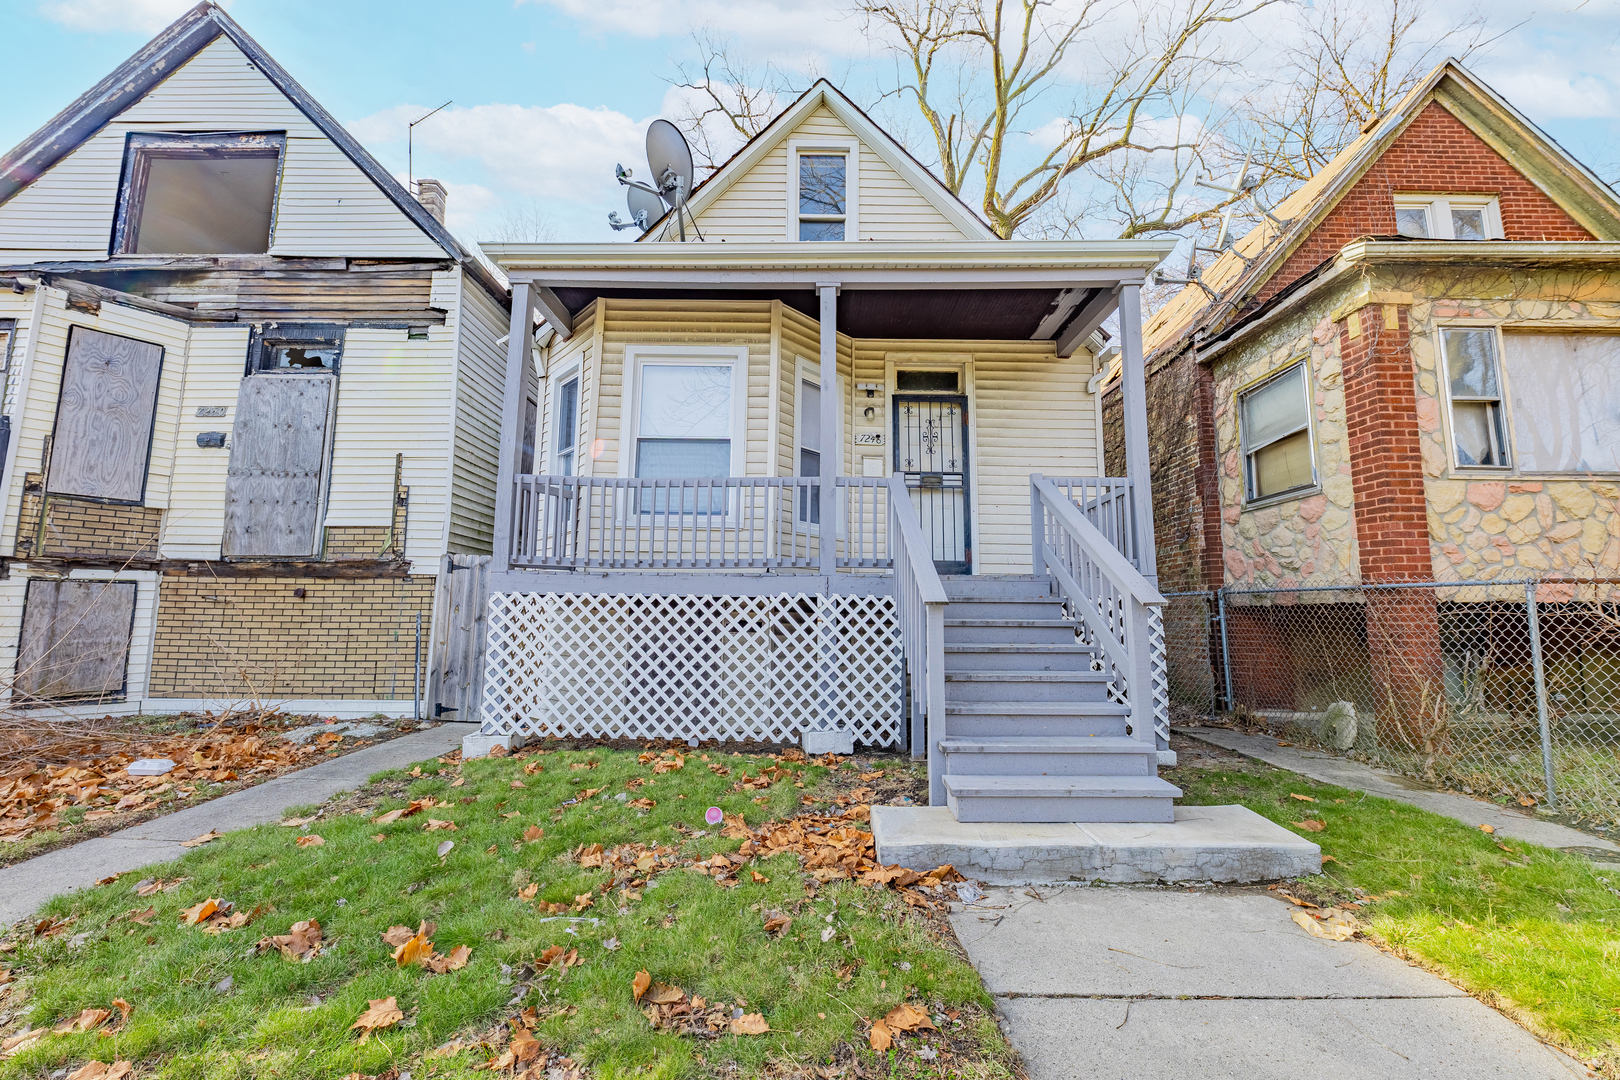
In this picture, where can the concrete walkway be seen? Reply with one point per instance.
(1134, 983)
(1333, 769)
(27, 885)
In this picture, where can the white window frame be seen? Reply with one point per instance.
(638, 356)
(1250, 499)
(851, 149)
(1438, 211)
(1504, 402)
(553, 455)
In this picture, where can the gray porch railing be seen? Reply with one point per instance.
(1116, 607)
(1106, 502)
(695, 523)
(920, 604)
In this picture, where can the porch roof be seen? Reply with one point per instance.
(1027, 289)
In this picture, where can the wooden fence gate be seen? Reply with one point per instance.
(456, 677)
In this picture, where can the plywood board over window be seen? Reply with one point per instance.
(103, 436)
(75, 640)
(278, 450)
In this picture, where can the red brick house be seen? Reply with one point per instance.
(1412, 375)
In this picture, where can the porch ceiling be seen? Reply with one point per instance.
(913, 314)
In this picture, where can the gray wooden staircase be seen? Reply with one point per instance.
(1032, 734)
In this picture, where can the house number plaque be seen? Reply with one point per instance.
(869, 438)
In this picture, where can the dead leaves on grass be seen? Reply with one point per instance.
(101, 1070)
(668, 1008)
(198, 841)
(383, 1013)
(215, 916)
(901, 1018)
(301, 942)
(415, 948)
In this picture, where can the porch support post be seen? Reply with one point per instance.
(519, 365)
(1133, 386)
(825, 737)
(831, 440)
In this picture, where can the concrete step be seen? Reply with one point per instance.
(1002, 607)
(1060, 798)
(1033, 755)
(962, 630)
(1025, 685)
(1012, 586)
(992, 719)
(990, 657)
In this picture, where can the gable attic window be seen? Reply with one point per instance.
(1276, 426)
(1448, 217)
(821, 191)
(211, 194)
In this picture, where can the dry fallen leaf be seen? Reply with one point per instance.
(87, 1020)
(777, 923)
(16, 1044)
(880, 1038)
(533, 833)
(310, 841)
(1311, 825)
(1301, 798)
(301, 941)
(198, 912)
(378, 837)
(198, 841)
(749, 1024)
(907, 1018)
(298, 822)
(383, 1013)
(1487, 829)
(640, 983)
(123, 1007)
(142, 917)
(663, 994)
(1333, 925)
(528, 891)
(414, 951)
(100, 1070)
(1296, 901)
(435, 825)
(455, 960)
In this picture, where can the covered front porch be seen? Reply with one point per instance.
(869, 549)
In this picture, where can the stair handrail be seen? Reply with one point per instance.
(920, 607)
(1113, 600)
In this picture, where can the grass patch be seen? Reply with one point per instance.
(280, 1017)
(1530, 929)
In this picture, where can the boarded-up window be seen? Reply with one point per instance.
(278, 448)
(75, 640)
(103, 436)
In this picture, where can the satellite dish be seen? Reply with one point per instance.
(671, 161)
(645, 207)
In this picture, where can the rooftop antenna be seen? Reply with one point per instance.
(410, 134)
(669, 159)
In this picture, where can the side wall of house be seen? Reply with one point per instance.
(481, 376)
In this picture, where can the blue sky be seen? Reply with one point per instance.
(550, 93)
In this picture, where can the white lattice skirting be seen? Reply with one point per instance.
(754, 668)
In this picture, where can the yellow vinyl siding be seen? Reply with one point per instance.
(754, 207)
(326, 205)
(482, 385)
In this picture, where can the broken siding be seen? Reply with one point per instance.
(326, 205)
(481, 386)
(755, 206)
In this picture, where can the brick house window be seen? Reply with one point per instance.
(1275, 417)
(1475, 389)
(1448, 217)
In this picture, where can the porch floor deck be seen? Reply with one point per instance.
(1204, 843)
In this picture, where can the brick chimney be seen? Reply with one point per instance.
(431, 194)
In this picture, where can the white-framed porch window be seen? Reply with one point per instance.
(687, 418)
(565, 426)
(823, 189)
(1449, 217)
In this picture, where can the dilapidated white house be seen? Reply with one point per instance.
(252, 394)
(830, 470)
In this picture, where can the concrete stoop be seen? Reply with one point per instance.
(1204, 843)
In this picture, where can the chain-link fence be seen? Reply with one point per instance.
(1504, 690)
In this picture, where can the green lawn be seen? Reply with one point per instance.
(279, 1017)
(1534, 931)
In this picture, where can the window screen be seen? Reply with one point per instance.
(198, 194)
(1566, 401)
(684, 427)
(1276, 435)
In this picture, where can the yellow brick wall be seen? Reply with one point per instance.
(355, 541)
(247, 637)
(85, 528)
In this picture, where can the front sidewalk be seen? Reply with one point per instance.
(1121, 982)
(29, 884)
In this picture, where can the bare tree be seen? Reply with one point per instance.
(974, 66)
(1357, 60)
(726, 101)
(524, 225)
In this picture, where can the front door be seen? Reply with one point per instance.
(931, 449)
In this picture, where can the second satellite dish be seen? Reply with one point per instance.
(645, 207)
(671, 161)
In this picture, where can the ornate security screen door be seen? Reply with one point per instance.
(931, 449)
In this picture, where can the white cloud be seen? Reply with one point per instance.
(142, 16)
